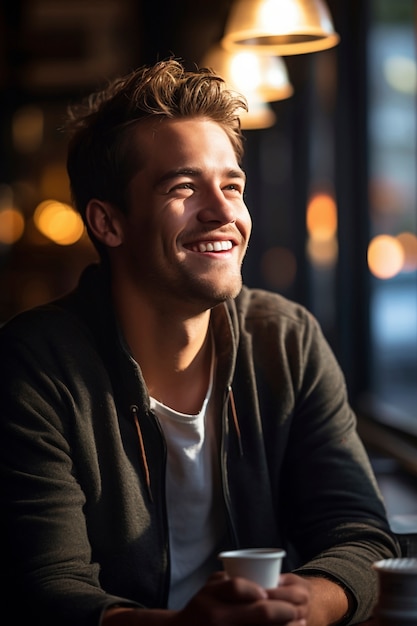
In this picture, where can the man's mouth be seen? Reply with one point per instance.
(211, 246)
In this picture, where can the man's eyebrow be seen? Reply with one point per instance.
(177, 172)
(236, 173)
(196, 172)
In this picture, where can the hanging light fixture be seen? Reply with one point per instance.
(259, 115)
(282, 27)
(260, 78)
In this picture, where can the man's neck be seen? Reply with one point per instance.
(173, 352)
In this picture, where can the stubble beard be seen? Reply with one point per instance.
(205, 293)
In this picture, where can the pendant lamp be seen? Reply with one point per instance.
(257, 77)
(282, 27)
(258, 116)
(260, 78)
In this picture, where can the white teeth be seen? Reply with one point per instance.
(213, 246)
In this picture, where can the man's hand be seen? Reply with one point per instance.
(237, 601)
(223, 601)
(227, 602)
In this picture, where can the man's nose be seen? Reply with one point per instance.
(217, 208)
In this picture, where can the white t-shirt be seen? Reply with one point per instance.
(195, 512)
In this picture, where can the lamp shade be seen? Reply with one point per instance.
(282, 27)
(259, 115)
(262, 78)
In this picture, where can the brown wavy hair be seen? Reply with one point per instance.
(101, 158)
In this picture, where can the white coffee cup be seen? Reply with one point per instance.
(397, 595)
(260, 565)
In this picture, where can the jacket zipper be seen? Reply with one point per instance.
(134, 410)
(224, 444)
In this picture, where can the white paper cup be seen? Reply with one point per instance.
(397, 595)
(260, 565)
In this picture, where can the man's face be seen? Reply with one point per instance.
(187, 227)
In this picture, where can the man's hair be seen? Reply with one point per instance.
(101, 157)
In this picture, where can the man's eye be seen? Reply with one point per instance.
(234, 187)
(184, 186)
(180, 187)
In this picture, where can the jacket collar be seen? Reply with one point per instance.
(92, 301)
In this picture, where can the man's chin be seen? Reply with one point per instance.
(226, 293)
(207, 292)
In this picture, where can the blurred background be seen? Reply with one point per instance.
(331, 158)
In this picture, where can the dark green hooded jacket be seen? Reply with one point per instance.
(83, 458)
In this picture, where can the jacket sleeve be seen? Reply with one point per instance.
(336, 516)
(47, 563)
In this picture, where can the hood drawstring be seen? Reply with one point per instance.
(134, 410)
(235, 420)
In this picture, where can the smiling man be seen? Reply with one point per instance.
(162, 411)
(177, 252)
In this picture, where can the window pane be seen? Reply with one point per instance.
(392, 253)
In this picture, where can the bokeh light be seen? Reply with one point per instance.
(321, 222)
(59, 222)
(401, 73)
(12, 226)
(408, 242)
(322, 217)
(385, 256)
(322, 253)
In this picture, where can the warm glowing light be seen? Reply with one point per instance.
(59, 222)
(401, 74)
(279, 267)
(270, 13)
(12, 225)
(262, 78)
(385, 256)
(265, 77)
(322, 217)
(27, 129)
(281, 27)
(408, 243)
(259, 115)
(244, 68)
(323, 252)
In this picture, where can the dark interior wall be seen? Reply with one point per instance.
(184, 29)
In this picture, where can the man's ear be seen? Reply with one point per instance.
(104, 221)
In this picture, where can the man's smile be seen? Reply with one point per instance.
(211, 246)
